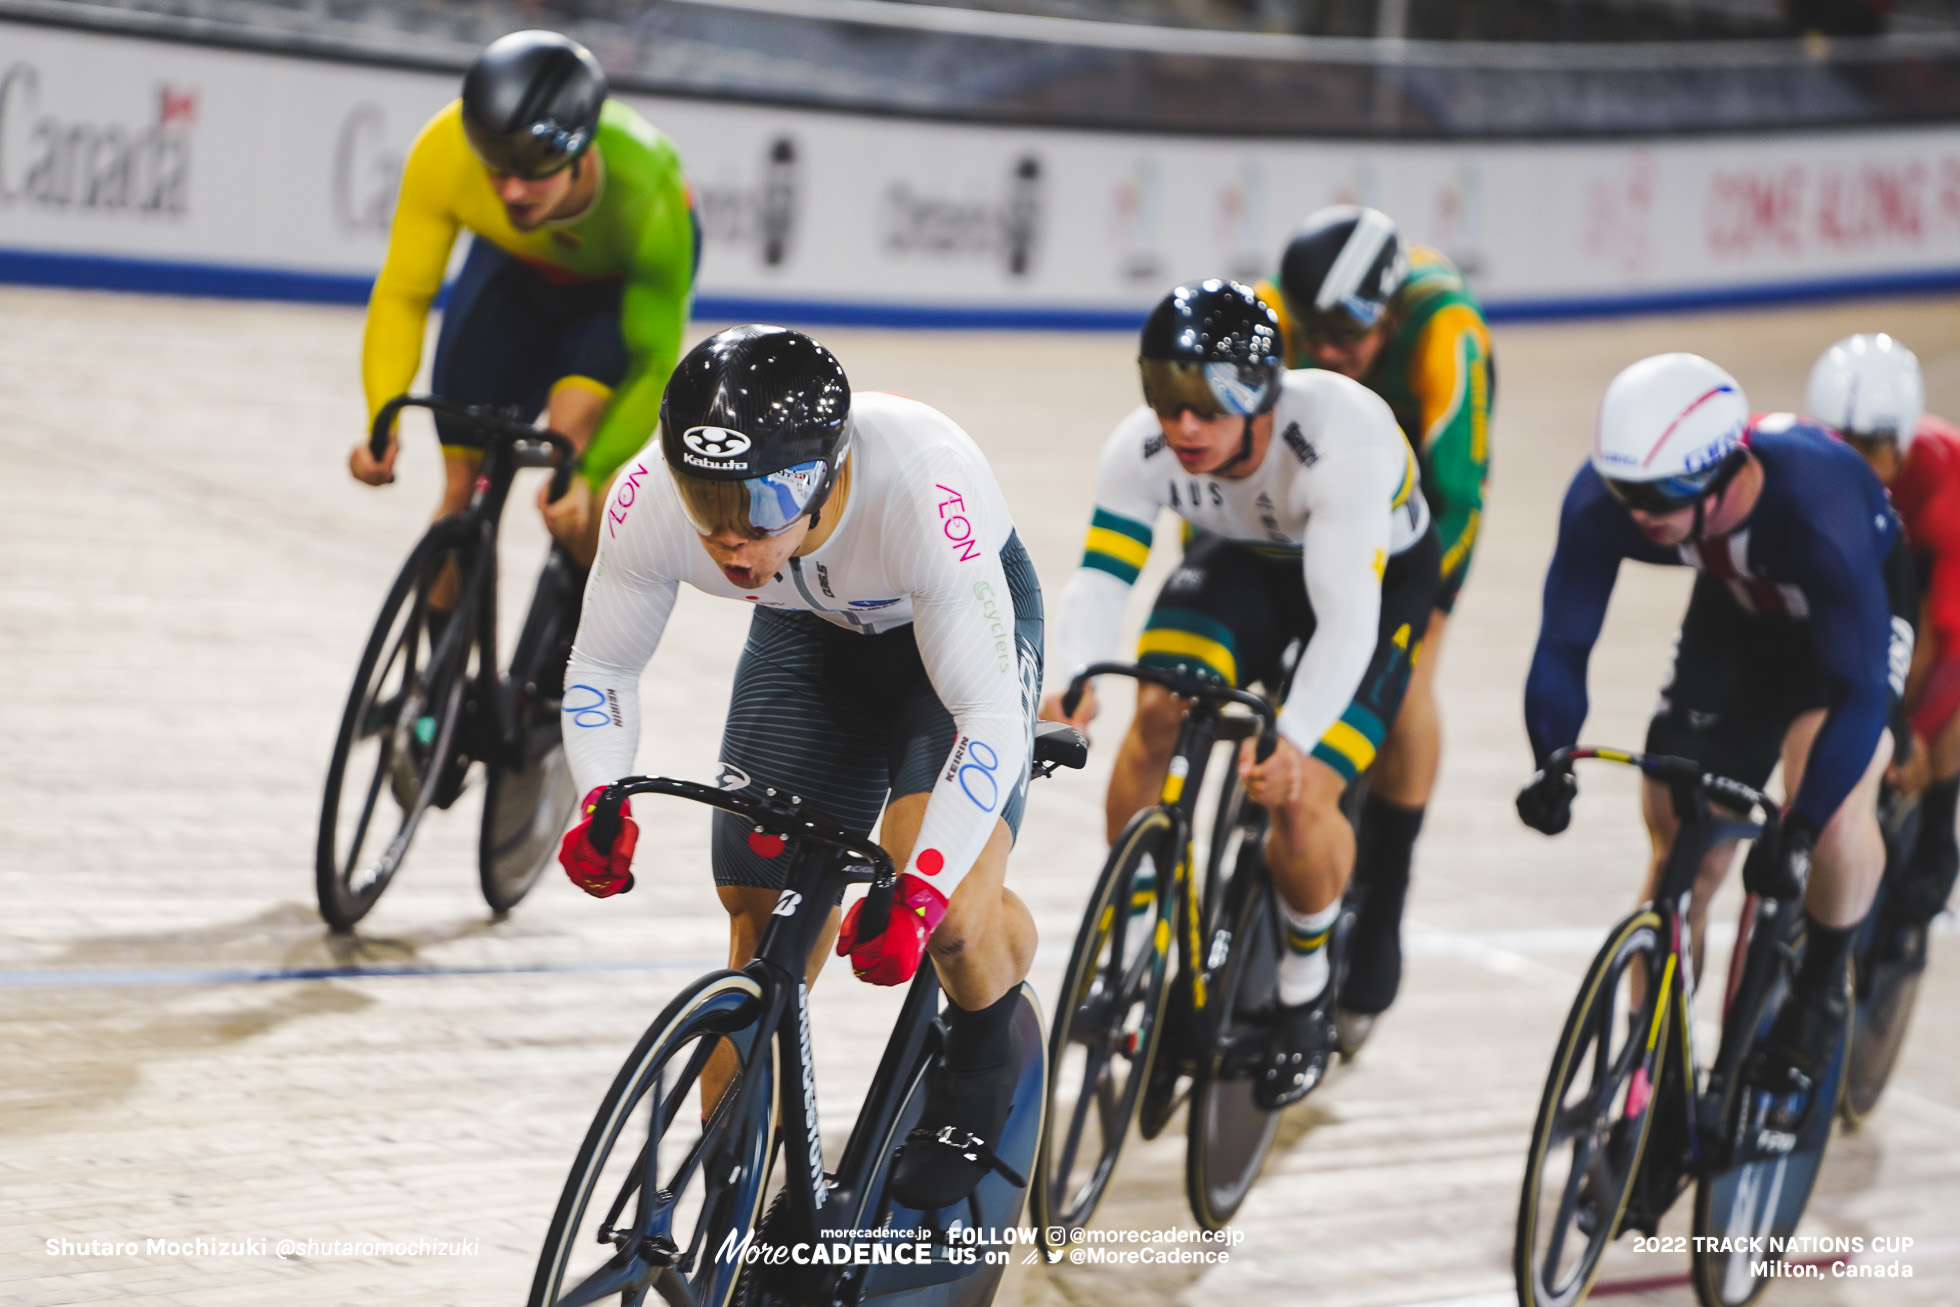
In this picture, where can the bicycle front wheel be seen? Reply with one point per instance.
(692, 1172)
(397, 731)
(1107, 1021)
(1594, 1118)
(1228, 1134)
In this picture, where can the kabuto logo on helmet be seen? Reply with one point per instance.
(715, 442)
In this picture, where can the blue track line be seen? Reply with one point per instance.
(225, 281)
(143, 977)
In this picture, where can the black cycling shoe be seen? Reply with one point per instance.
(951, 1150)
(1297, 1049)
(1791, 1062)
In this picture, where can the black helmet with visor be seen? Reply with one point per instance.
(1212, 348)
(755, 426)
(531, 103)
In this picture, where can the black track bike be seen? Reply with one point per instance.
(1132, 1038)
(665, 1201)
(1631, 1112)
(429, 698)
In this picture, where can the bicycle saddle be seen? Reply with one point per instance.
(1059, 745)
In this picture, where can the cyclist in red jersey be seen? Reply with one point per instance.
(1868, 389)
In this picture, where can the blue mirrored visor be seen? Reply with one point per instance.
(1665, 494)
(755, 506)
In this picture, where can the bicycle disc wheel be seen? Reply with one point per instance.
(1594, 1118)
(693, 1187)
(528, 798)
(1886, 992)
(1749, 1198)
(1107, 1021)
(1228, 1135)
(398, 728)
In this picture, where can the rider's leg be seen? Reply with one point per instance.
(1145, 756)
(1399, 785)
(1845, 868)
(982, 951)
(1936, 853)
(1850, 853)
(1310, 853)
(573, 410)
(986, 943)
(459, 469)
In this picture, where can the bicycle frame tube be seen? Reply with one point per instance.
(1182, 785)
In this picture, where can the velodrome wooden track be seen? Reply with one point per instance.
(186, 577)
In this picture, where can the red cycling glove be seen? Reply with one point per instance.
(892, 958)
(601, 875)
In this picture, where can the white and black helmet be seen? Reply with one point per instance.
(1341, 270)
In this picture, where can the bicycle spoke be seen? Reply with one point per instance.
(1567, 1204)
(624, 1272)
(1573, 1120)
(359, 836)
(1079, 1117)
(1108, 1116)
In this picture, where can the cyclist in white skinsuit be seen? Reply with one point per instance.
(1309, 525)
(895, 647)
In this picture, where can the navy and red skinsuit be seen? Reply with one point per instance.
(1816, 547)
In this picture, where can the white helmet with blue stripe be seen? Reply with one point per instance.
(1670, 432)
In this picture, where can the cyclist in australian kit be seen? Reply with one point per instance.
(1868, 389)
(576, 288)
(895, 648)
(1307, 524)
(1355, 299)
(1794, 645)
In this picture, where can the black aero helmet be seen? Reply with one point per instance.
(1341, 270)
(1213, 348)
(531, 103)
(754, 426)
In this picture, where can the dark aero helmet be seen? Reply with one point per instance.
(1340, 272)
(531, 103)
(1213, 348)
(754, 426)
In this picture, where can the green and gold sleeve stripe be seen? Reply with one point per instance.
(1184, 638)
(1116, 545)
(1351, 743)
(1408, 486)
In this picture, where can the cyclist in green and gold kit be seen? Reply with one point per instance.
(1353, 298)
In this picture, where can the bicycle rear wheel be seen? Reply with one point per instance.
(528, 797)
(1748, 1196)
(1886, 992)
(1595, 1116)
(693, 1178)
(1107, 1023)
(1228, 1135)
(396, 733)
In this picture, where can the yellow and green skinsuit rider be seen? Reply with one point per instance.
(638, 229)
(1436, 374)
